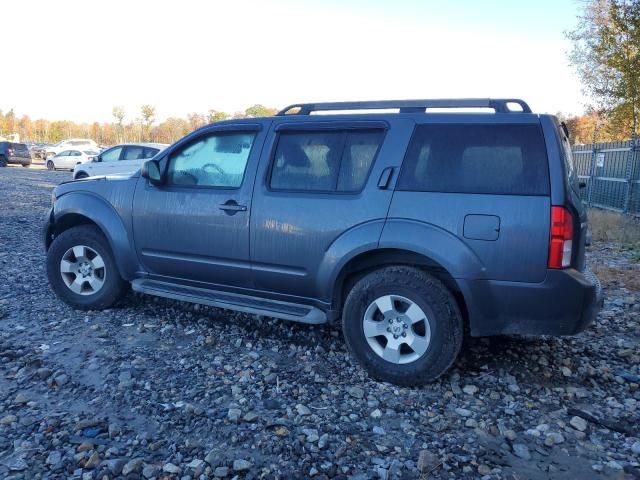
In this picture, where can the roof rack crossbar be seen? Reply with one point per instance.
(500, 105)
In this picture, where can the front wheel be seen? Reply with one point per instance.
(402, 325)
(3, 162)
(82, 270)
(50, 165)
(81, 175)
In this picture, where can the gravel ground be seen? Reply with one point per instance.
(163, 389)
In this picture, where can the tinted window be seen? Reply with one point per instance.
(150, 152)
(492, 159)
(218, 160)
(111, 155)
(326, 161)
(19, 147)
(133, 153)
(66, 153)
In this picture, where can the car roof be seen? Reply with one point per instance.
(142, 144)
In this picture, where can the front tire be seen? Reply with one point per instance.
(50, 165)
(3, 162)
(82, 270)
(402, 325)
(81, 175)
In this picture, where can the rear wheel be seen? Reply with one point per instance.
(81, 175)
(82, 270)
(402, 325)
(50, 165)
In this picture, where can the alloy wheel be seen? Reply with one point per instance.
(396, 329)
(83, 270)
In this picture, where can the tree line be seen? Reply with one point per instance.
(606, 57)
(605, 54)
(144, 127)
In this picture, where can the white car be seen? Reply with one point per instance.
(121, 159)
(69, 159)
(72, 144)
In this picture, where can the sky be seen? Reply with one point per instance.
(75, 60)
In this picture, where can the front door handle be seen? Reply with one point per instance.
(231, 207)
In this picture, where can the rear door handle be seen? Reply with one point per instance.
(232, 206)
(385, 177)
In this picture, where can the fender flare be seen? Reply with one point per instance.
(429, 241)
(433, 242)
(359, 239)
(102, 213)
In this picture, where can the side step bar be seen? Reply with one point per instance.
(232, 301)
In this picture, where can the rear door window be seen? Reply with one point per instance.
(484, 158)
(150, 152)
(324, 161)
(133, 153)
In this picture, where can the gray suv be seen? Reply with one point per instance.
(409, 225)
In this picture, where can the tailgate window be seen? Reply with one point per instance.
(20, 147)
(482, 158)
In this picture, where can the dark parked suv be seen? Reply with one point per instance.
(408, 224)
(14, 153)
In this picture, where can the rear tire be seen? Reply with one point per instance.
(402, 325)
(50, 165)
(81, 175)
(82, 270)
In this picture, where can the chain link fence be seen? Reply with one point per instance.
(611, 172)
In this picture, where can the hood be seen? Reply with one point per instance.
(91, 183)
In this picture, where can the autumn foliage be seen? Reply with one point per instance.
(143, 128)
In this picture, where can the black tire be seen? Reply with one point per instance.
(50, 165)
(3, 162)
(114, 286)
(435, 300)
(26, 165)
(81, 175)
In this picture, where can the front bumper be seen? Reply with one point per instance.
(565, 303)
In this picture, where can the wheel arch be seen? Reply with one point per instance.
(366, 262)
(82, 208)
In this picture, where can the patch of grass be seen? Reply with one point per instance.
(619, 277)
(614, 227)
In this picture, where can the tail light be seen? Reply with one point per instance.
(561, 238)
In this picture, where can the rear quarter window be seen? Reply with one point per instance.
(485, 158)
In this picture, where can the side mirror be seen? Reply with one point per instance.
(151, 171)
(96, 159)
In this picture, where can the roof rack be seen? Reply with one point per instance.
(500, 105)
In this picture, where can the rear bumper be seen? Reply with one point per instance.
(564, 304)
(19, 160)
